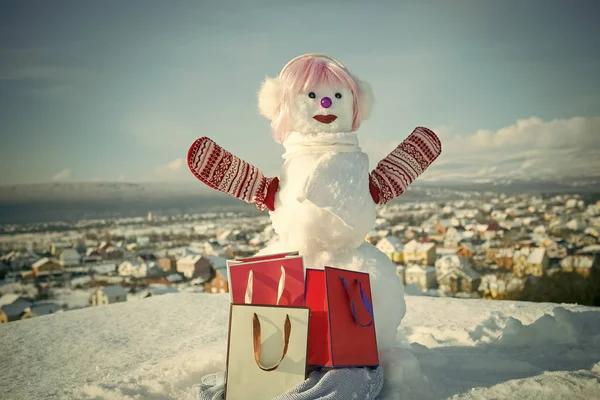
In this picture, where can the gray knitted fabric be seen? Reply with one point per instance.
(329, 384)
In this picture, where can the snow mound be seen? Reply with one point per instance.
(159, 347)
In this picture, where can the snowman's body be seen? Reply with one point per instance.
(324, 210)
(323, 202)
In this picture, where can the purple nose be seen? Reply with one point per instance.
(325, 102)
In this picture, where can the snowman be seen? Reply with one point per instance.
(324, 202)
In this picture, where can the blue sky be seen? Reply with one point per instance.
(117, 91)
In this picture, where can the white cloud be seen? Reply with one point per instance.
(63, 175)
(173, 170)
(529, 148)
(121, 178)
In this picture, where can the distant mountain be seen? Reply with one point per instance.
(521, 185)
(50, 202)
(100, 191)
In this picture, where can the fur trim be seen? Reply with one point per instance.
(269, 97)
(368, 100)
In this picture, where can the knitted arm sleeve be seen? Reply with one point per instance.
(223, 171)
(403, 165)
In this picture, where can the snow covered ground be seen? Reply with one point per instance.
(158, 347)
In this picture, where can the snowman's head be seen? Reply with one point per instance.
(314, 94)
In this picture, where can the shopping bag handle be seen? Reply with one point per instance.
(287, 330)
(364, 298)
(250, 287)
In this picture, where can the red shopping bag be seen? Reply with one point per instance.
(342, 325)
(267, 281)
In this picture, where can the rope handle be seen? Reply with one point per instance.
(256, 336)
(365, 301)
(250, 287)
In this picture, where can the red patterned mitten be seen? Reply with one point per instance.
(221, 170)
(402, 166)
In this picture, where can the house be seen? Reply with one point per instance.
(168, 263)
(423, 277)
(38, 310)
(194, 266)
(442, 226)
(69, 258)
(580, 264)
(392, 247)
(104, 269)
(419, 253)
(46, 267)
(108, 295)
(8, 298)
(492, 287)
(504, 258)
(57, 248)
(556, 250)
(135, 269)
(465, 250)
(520, 258)
(537, 262)
(154, 270)
(454, 274)
(491, 253)
(576, 225)
(401, 272)
(217, 283)
(14, 311)
(114, 253)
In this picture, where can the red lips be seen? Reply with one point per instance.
(326, 119)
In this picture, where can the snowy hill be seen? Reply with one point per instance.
(157, 348)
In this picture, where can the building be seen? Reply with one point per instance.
(69, 258)
(537, 262)
(135, 269)
(421, 276)
(465, 250)
(168, 263)
(46, 267)
(217, 283)
(392, 247)
(194, 266)
(419, 253)
(15, 310)
(108, 295)
(504, 258)
(38, 310)
(580, 264)
(454, 274)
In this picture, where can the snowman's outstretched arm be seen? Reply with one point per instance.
(402, 166)
(223, 171)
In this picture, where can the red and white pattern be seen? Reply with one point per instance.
(402, 166)
(223, 171)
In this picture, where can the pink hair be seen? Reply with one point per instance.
(307, 73)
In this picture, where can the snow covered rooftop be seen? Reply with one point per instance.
(114, 290)
(537, 255)
(161, 346)
(414, 246)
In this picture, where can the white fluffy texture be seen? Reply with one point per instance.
(269, 97)
(387, 290)
(308, 228)
(368, 100)
(302, 109)
(159, 347)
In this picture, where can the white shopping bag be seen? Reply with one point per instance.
(267, 350)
